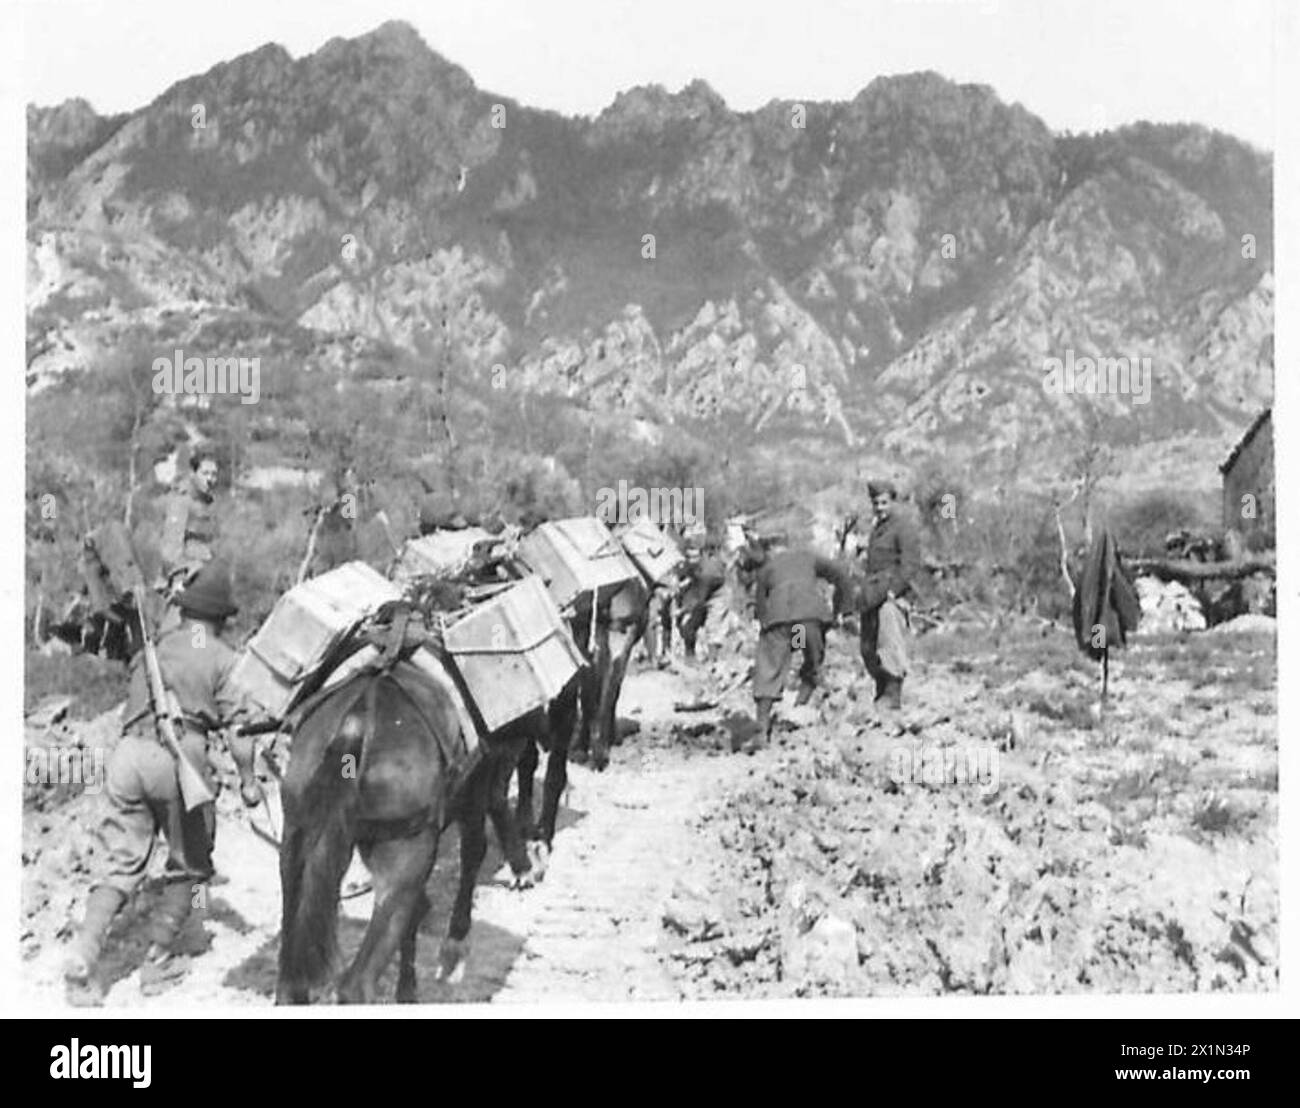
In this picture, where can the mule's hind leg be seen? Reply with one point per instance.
(557, 770)
(400, 868)
(588, 703)
(524, 804)
(611, 680)
(473, 846)
(406, 990)
(498, 802)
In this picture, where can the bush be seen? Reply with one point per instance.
(1141, 524)
(99, 684)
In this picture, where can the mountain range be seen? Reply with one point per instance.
(888, 275)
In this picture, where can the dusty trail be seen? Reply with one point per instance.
(1134, 852)
(591, 930)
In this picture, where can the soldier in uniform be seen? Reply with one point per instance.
(792, 614)
(892, 563)
(190, 529)
(703, 576)
(143, 791)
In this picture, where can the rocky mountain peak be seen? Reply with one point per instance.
(653, 108)
(909, 257)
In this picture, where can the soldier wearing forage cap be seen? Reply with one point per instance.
(892, 563)
(143, 792)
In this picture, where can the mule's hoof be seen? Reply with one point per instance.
(539, 853)
(577, 756)
(451, 960)
(406, 993)
(159, 977)
(525, 880)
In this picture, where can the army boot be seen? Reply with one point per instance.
(82, 960)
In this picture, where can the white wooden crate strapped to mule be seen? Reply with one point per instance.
(514, 652)
(442, 554)
(576, 556)
(305, 625)
(652, 549)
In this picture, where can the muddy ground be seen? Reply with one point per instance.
(1004, 835)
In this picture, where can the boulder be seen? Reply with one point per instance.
(1168, 606)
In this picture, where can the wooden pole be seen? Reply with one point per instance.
(311, 546)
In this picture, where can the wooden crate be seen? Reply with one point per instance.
(576, 556)
(653, 550)
(308, 622)
(514, 652)
(442, 553)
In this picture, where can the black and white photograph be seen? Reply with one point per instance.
(681, 509)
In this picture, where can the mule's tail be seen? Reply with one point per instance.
(315, 851)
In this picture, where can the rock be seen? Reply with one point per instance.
(1259, 594)
(1250, 623)
(50, 711)
(827, 841)
(693, 919)
(1168, 606)
(827, 954)
(800, 715)
(744, 948)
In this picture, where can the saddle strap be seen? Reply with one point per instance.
(385, 830)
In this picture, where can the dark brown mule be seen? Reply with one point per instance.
(551, 731)
(375, 765)
(620, 623)
(588, 710)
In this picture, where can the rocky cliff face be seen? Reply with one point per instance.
(898, 268)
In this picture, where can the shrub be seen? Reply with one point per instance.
(1141, 524)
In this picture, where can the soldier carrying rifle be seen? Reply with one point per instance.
(158, 779)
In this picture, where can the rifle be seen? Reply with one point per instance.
(166, 714)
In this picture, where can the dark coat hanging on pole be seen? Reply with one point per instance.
(1106, 606)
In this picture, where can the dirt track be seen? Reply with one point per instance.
(1135, 852)
(591, 930)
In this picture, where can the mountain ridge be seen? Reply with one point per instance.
(897, 269)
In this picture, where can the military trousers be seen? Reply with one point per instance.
(883, 641)
(775, 646)
(143, 795)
